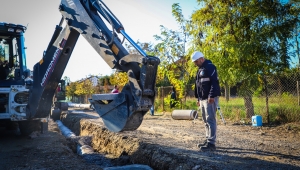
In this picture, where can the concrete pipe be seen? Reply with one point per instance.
(64, 130)
(55, 114)
(184, 114)
(83, 106)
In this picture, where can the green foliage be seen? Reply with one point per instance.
(164, 106)
(85, 87)
(168, 100)
(258, 92)
(120, 79)
(171, 49)
(244, 38)
(104, 80)
(70, 90)
(146, 47)
(283, 109)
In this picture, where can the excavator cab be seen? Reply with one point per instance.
(12, 55)
(14, 76)
(13, 72)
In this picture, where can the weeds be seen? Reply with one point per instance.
(282, 109)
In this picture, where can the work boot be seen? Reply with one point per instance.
(208, 147)
(204, 143)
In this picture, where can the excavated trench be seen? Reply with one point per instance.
(124, 148)
(164, 143)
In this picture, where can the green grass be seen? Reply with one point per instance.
(282, 109)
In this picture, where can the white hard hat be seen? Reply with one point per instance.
(196, 55)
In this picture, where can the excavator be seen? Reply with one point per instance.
(26, 97)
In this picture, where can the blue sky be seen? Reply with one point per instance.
(141, 19)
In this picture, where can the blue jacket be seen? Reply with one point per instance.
(207, 81)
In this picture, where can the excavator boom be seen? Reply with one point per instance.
(89, 18)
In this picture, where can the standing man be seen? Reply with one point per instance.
(173, 98)
(207, 91)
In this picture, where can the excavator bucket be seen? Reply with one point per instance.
(124, 111)
(115, 112)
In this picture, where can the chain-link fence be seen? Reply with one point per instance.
(276, 101)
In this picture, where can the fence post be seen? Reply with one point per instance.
(267, 98)
(298, 93)
(163, 95)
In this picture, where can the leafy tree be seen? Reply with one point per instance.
(85, 88)
(245, 39)
(120, 79)
(70, 90)
(104, 80)
(171, 49)
(146, 47)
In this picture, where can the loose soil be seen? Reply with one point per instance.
(160, 142)
(49, 150)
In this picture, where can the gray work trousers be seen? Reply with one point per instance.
(208, 111)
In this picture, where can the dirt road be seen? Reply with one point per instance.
(50, 150)
(164, 143)
(160, 142)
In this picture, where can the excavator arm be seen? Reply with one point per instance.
(119, 112)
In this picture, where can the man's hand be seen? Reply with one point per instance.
(198, 103)
(211, 100)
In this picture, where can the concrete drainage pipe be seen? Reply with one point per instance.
(184, 114)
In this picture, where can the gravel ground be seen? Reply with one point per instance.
(160, 143)
(45, 151)
(164, 143)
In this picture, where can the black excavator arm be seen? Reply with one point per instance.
(119, 112)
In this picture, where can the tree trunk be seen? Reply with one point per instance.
(185, 94)
(249, 106)
(227, 92)
(163, 95)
